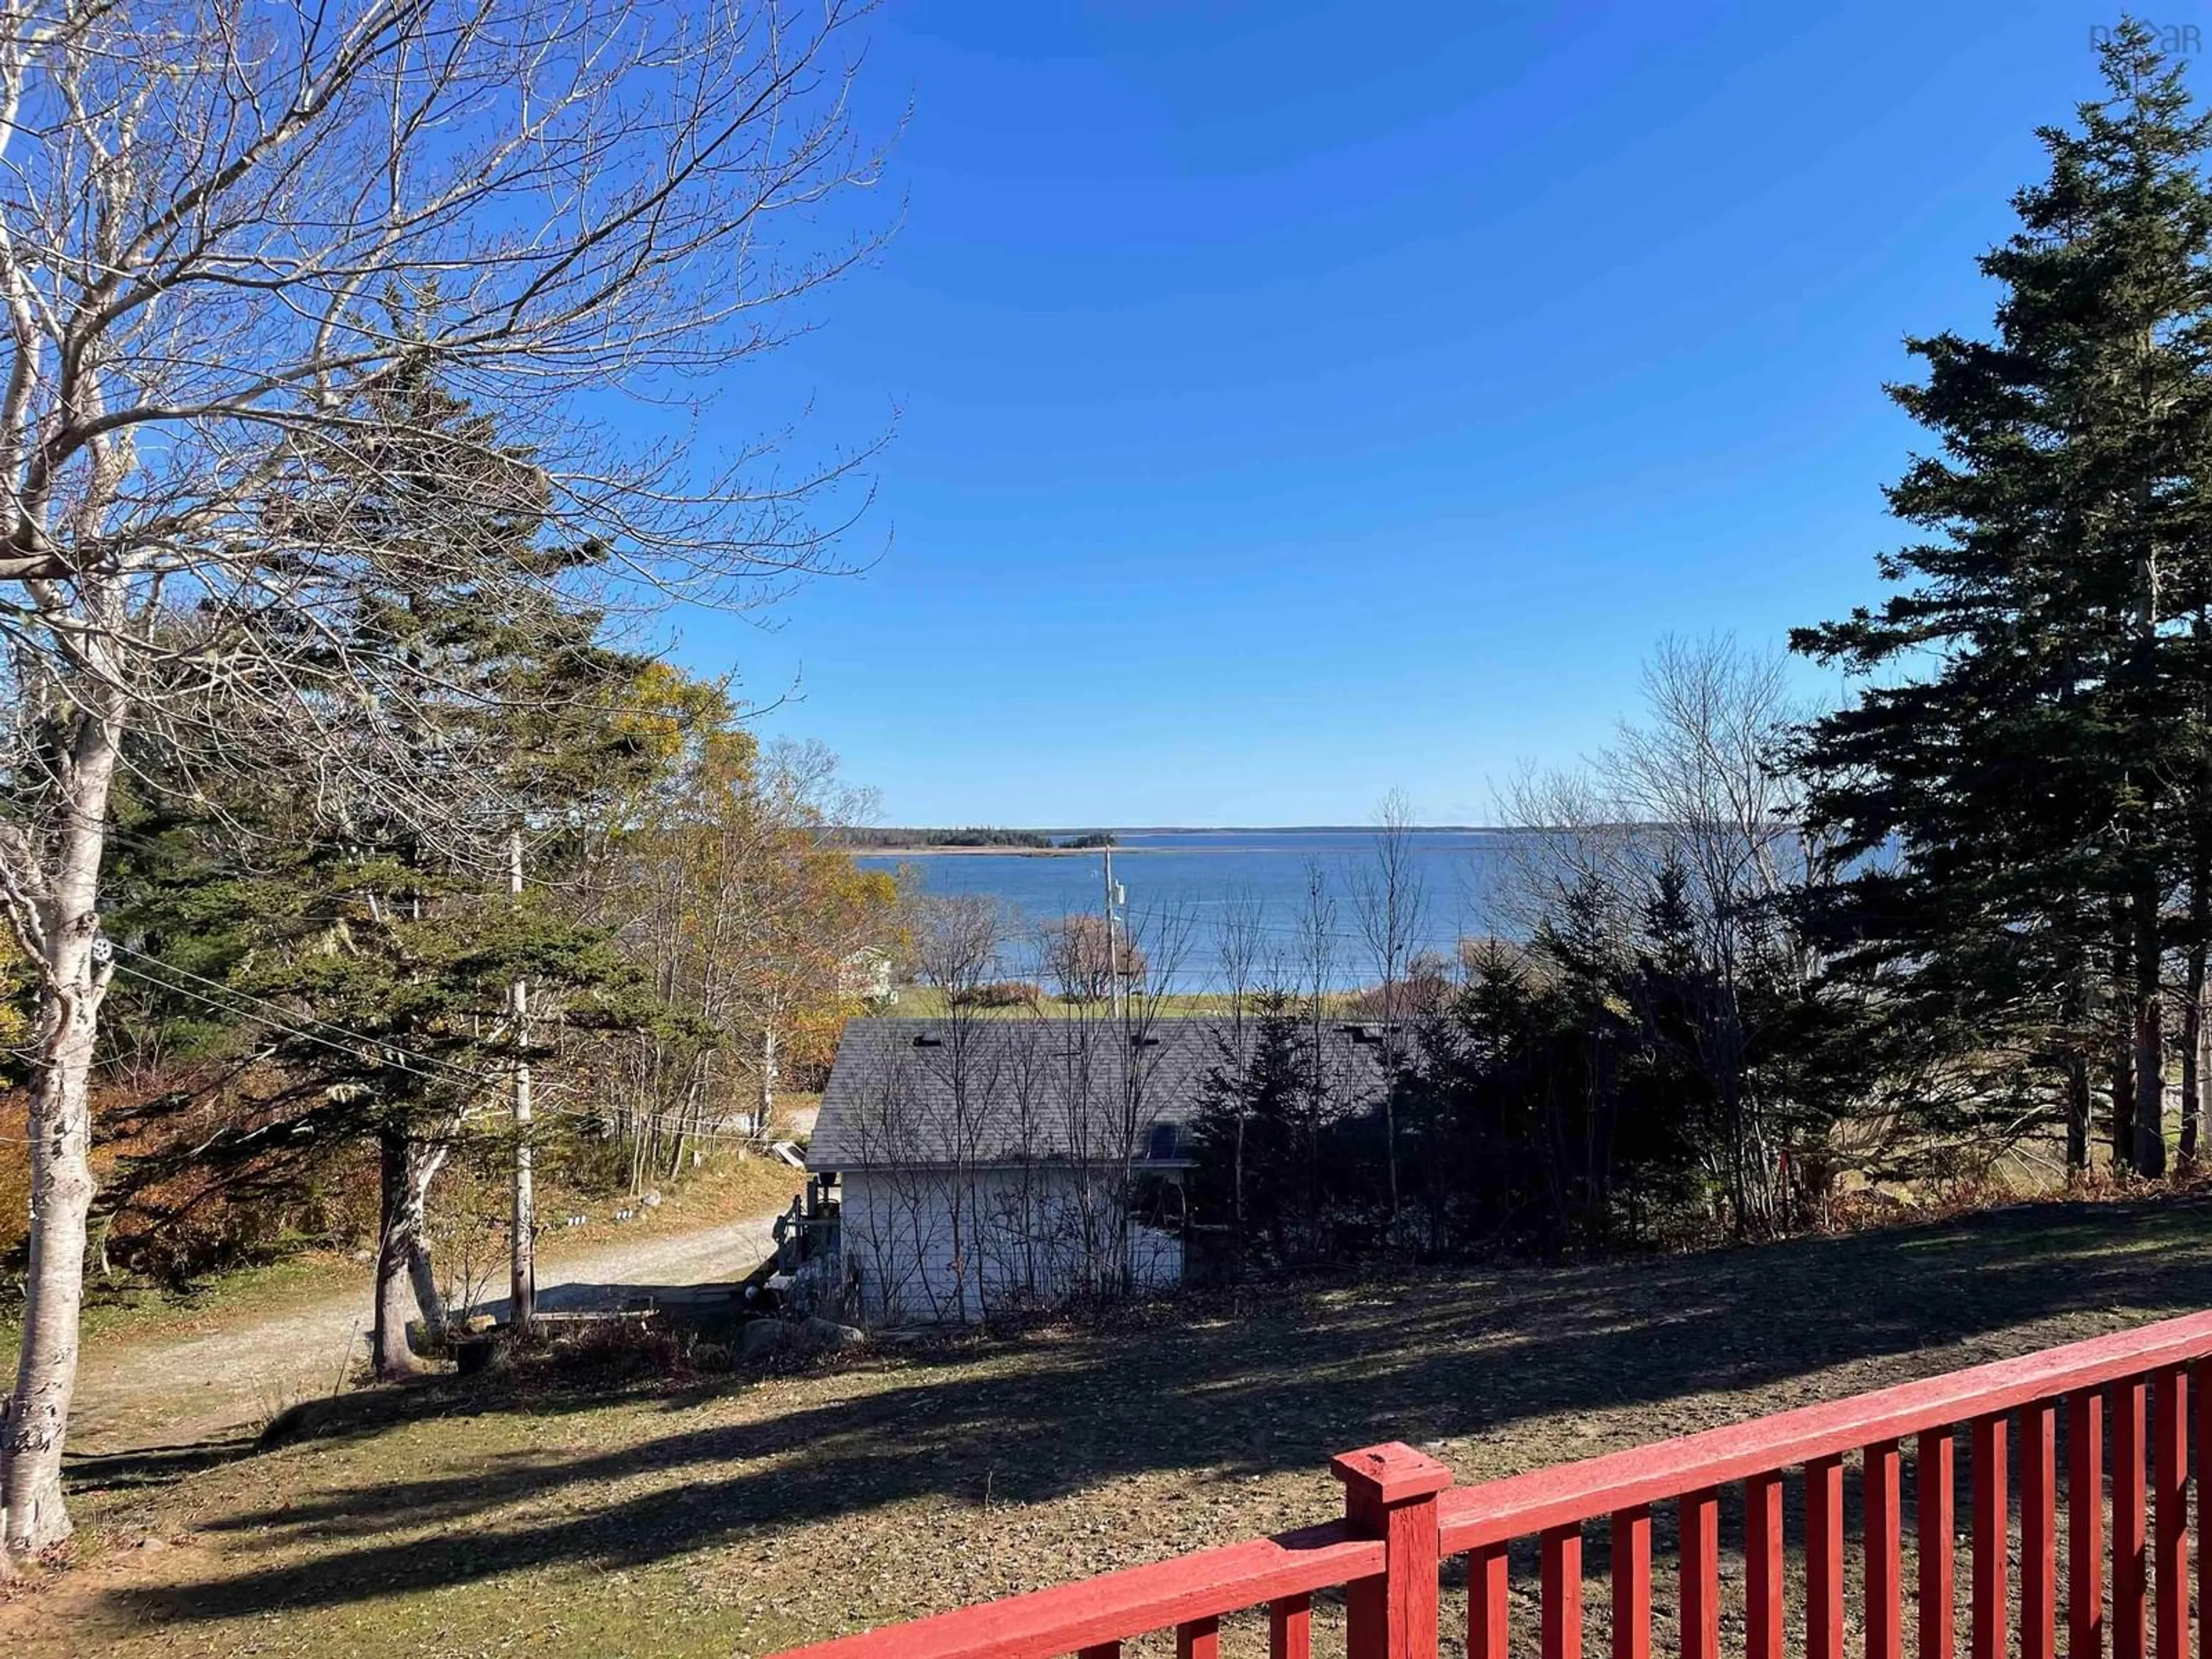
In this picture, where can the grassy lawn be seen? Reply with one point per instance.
(731, 1517)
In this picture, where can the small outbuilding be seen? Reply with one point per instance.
(974, 1166)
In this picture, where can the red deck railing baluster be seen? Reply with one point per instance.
(1101, 1650)
(1701, 1575)
(1885, 1578)
(1934, 1470)
(1289, 1628)
(1563, 1593)
(1824, 1559)
(1199, 1638)
(1762, 1566)
(2038, 1531)
(1488, 1575)
(1631, 1584)
(2130, 1563)
(2085, 1525)
(2203, 1398)
(1992, 1539)
(2169, 1440)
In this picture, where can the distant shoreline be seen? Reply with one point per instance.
(998, 851)
(1125, 849)
(1233, 830)
(939, 850)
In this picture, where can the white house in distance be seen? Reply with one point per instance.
(866, 975)
(972, 1166)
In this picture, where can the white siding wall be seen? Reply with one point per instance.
(1018, 1238)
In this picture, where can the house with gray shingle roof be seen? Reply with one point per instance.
(976, 1165)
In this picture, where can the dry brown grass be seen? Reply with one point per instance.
(736, 1517)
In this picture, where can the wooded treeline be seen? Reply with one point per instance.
(628, 895)
(1652, 1052)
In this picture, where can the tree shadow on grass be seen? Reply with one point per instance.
(1299, 1377)
(142, 1467)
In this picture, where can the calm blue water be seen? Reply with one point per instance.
(1180, 881)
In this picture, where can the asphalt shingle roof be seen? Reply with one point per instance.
(937, 1091)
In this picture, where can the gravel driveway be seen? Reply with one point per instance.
(203, 1386)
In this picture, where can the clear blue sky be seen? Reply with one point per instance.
(1301, 401)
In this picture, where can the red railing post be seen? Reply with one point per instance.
(1992, 1542)
(1487, 1582)
(2169, 1462)
(1631, 1584)
(1701, 1576)
(1390, 1493)
(1762, 1566)
(1561, 1551)
(2038, 1531)
(2131, 1534)
(1824, 1559)
(2202, 1392)
(2085, 1525)
(1936, 1468)
(1884, 1534)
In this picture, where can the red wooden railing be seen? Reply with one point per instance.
(1402, 1517)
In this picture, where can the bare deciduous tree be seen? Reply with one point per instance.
(956, 948)
(1237, 941)
(1083, 954)
(1390, 902)
(1701, 776)
(1698, 784)
(227, 228)
(1314, 943)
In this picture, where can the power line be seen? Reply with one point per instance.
(247, 996)
(355, 1039)
(350, 1049)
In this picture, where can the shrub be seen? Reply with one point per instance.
(999, 994)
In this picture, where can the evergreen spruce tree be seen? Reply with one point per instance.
(1256, 1141)
(2018, 792)
(370, 925)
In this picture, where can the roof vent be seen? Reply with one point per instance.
(1138, 1040)
(928, 1040)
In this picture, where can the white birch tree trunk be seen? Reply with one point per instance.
(767, 1075)
(58, 919)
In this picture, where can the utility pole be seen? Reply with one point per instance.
(1113, 936)
(522, 1287)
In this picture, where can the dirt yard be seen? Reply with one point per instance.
(242, 1373)
(731, 1518)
